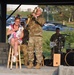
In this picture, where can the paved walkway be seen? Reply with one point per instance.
(45, 70)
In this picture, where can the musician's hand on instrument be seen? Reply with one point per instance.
(52, 44)
(34, 15)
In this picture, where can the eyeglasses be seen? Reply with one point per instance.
(17, 21)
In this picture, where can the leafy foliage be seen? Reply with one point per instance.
(22, 13)
(46, 42)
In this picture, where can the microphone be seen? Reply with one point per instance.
(65, 34)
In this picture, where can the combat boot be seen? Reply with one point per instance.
(30, 65)
(38, 66)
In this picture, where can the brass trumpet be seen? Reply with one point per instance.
(30, 16)
(34, 11)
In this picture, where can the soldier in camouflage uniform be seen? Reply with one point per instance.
(59, 41)
(35, 38)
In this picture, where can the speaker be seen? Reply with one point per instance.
(69, 58)
(63, 58)
(68, 50)
(56, 59)
(48, 62)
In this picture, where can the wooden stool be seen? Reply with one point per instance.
(10, 62)
(56, 59)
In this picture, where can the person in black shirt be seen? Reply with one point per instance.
(57, 42)
(24, 46)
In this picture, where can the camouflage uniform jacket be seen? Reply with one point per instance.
(35, 26)
(58, 39)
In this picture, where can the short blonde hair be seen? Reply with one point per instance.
(36, 8)
(40, 9)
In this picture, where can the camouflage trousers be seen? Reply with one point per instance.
(35, 46)
(25, 53)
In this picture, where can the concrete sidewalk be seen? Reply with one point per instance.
(45, 70)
